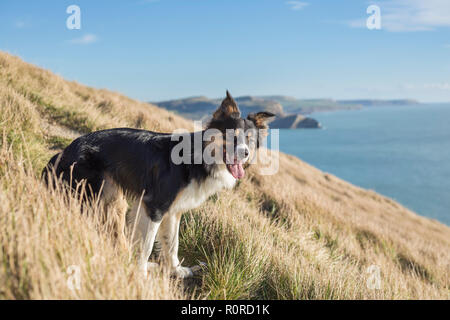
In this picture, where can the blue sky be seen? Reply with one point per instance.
(162, 49)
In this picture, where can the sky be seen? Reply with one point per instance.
(155, 50)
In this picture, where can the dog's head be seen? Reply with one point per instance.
(240, 137)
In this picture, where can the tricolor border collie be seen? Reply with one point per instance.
(138, 164)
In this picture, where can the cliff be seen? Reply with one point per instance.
(295, 122)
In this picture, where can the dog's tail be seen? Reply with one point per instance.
(50, 170)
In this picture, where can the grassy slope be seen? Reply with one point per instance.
(299, 234)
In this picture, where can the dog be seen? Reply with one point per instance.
(138, 164)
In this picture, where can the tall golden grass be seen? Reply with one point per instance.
(299, 234)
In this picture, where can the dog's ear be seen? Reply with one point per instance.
(228, 108)
(260, 119)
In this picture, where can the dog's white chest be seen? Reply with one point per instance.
(196, 193)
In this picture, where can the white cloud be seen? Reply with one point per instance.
(410, 15)
(86, 39)
(357, 23)
(438, 85)
(296, 5)
(441, 86)
(20, 24)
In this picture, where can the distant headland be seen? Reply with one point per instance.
(291, 113)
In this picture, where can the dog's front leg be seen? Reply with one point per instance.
(145, 233)
(149, 240)
(169, 233)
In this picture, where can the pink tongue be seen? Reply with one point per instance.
(236, 169)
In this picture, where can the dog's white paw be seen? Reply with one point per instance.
(185, 272)
(182, 272)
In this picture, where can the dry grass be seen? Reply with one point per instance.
(301, 234)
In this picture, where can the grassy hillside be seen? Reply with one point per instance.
(300, 234)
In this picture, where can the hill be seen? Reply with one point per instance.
(284, 107)
(201, 108)
(299, 234)
(378, 102)
(308, 106)
(198, 107)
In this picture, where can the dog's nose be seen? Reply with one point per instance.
(242, 151)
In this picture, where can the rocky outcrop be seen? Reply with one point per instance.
(295, 121)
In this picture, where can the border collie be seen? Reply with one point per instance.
(137, 164)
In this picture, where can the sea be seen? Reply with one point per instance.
(402, 152)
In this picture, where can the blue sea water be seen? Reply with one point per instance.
(402, 152)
